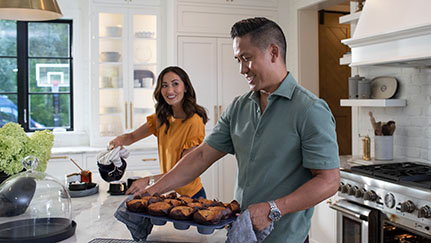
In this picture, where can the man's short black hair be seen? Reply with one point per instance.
(263, 32)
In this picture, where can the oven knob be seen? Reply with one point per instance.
(352, 190)
(408, 207)
(424, 212)
(345, 188)
(341, 186)
(360, 193)
(370, 195)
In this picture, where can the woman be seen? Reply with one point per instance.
(178, 124)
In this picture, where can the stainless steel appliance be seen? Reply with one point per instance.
(385, 203)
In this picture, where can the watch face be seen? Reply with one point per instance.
(275, 215)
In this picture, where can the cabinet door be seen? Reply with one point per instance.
(60, 165)
(324, 223)
(257, 3)
(230, 84)
(144, 58)
(130, 2)
(198, 57)
(109, 57)
(125, 57)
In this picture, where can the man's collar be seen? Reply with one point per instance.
(286, 89)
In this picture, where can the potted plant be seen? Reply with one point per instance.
(15, 145)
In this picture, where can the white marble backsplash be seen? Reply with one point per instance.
(413, 134)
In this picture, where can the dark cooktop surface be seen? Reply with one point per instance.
(407, 173)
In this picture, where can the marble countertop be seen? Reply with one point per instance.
(94, 216)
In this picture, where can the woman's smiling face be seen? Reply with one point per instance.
(173, 89)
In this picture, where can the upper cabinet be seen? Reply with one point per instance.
(130, 2)
(125, 61)
(256, 3)
(399, 37)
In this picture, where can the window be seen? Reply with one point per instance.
(36, 74)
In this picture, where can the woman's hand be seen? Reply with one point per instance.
(118, 141)
(259, 215)
(139, 186)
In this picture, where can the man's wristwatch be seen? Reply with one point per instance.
(274, 213)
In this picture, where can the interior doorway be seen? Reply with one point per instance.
(333, 77)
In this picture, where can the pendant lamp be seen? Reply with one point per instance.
(30, 10)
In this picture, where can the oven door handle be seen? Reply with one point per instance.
(348, 212)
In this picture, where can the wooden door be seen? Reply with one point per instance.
(333, 77)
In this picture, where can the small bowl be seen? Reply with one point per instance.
(110, 56)
(113, 31)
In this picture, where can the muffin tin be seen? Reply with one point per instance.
(185, 224)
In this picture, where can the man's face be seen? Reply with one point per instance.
(254, 63)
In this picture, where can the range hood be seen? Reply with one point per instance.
(393, 32)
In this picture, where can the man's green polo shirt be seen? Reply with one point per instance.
(276, 149)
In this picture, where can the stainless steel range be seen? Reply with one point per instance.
(385, 203)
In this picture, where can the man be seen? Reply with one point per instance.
(282, 135)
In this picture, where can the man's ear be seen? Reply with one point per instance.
(275, 52)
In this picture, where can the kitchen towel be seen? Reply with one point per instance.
(139, 227)
(241, 230)
(113, 156)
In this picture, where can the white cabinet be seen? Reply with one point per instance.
(215, 20)
(60, 165)
(125, 61)
(324, 223)
(130, 2)
(215, 76)
(256, 3)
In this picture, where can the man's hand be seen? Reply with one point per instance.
(139, 186)
(259, 215)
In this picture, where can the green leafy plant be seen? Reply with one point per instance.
(16, 145)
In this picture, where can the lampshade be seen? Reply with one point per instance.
(36, 10)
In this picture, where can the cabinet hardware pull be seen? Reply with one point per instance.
(215, 115)
(58, 157)
(149, 159)
(125, 105)
(131, 115)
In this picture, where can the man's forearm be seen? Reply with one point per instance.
(320, 187)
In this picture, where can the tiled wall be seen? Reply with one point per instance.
(412, 137)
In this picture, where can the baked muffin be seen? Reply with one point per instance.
(234, 206)
(185, 199)
(137, 205)
(206, 216)
(173, 202)
(195, 205)
(159, 208)
(223, 211)
(172, 195)
(181, 212)
(206, 202)
(153, 199)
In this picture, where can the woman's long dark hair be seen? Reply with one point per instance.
(190, 107)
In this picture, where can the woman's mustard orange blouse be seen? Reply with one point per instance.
(182, 135)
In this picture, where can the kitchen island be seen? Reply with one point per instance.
(94, 216)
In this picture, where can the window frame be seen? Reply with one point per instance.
(23, 58)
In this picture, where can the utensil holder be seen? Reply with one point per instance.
(383, 147)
